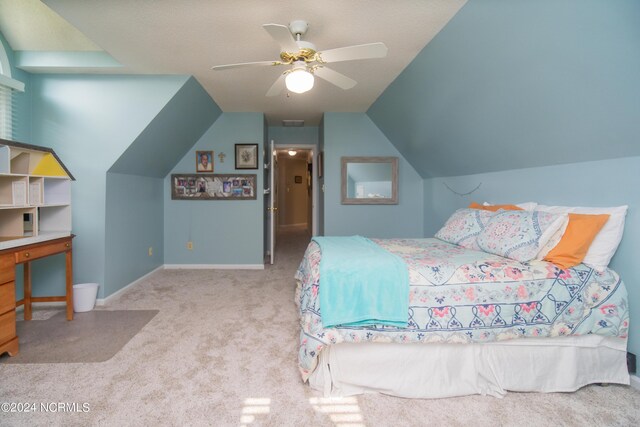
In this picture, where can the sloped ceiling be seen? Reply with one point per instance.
(169, 136)
(188, 37)
(518, 84)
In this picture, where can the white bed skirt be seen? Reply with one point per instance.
(445, 370)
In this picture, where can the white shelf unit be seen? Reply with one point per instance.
(32, 204)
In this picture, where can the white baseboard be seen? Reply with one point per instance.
(214, 266)
(635, 382)
(103, 301)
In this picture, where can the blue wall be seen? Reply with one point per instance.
(90, 120)
(293, 135)
(321, 186)
(222, 231)
(135, 196)
(519, 87)
(519, 83)
(598, 183)
(171, 134)
(354, 134)
(134, 223)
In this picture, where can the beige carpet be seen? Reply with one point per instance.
(222, 352)
(94, 336)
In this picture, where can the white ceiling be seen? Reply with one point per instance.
(190, 36)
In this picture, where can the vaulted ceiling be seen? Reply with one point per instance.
(190, 36)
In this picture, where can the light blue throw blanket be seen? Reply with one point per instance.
(361, 283)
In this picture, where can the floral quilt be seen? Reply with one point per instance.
(459, 295)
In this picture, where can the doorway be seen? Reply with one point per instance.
(295, 191)
(291, 195)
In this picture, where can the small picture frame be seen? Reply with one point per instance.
(298, 179)
(246, 156)
(204, 161)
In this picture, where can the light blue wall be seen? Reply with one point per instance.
(90, 120)
(171, 134)
(138, 185)
(134, 223)
(222, 231)
(321, 186)
(354, 134)
(599, 183)
(519, 83)
(293, 135)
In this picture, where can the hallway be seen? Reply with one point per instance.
(290, 246)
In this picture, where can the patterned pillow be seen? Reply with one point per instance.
(519, 235)
(463, 227)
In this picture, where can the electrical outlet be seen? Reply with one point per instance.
(190, 246)
(150, 250)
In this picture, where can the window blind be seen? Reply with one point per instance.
(8, 109)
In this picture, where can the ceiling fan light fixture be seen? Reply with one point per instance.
(299, 80)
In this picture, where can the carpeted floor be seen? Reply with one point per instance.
(222, 351)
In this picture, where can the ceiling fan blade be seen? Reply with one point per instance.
(282, 36)
(244, 64)
(349, 53)
(334, 77)
(277, 86)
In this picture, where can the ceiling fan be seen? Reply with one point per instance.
(306, 61)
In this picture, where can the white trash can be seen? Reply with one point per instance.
(84, 296)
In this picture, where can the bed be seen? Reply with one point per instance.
(477, 323)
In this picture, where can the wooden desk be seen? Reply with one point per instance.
(24, 254)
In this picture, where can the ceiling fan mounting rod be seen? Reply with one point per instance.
(298, 28)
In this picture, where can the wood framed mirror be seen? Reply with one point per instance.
(369, 180)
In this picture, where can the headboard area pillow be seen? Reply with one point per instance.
(519, 235)
(576, 240)
(527, 206)
(494, 208)
(606, 241)
(463, 226)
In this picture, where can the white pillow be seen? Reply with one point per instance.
(527, 206)
(554, 240)
(606, 242)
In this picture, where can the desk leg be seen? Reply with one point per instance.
(27, 290)
(69, 286)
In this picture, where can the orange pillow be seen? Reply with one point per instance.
(577, 238)
(494, 208)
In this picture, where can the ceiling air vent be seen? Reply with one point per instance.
(292, 123)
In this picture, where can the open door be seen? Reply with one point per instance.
(271, 197)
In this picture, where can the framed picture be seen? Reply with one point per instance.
(213, 187)
(320, 164)
(298, 179)
(246, 156)
(204, 161)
